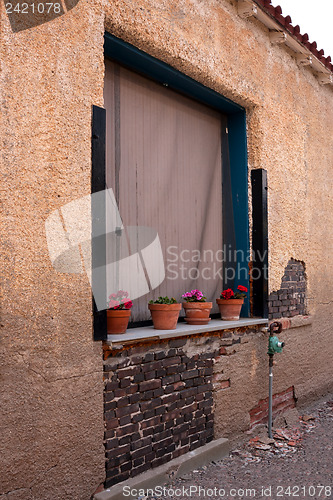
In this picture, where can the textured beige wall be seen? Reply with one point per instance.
(246, 365)
(51, 373)
(290, 119)
(51, 75)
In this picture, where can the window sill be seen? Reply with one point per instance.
(182, 330)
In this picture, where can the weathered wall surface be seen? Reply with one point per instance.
(51, 75)
(290, 118)
(51, 371)
(246, 365)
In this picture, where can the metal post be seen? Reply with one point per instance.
(270, 396)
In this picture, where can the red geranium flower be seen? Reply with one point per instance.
(242, 288)
(227, 294)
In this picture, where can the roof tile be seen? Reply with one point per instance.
(286, 22)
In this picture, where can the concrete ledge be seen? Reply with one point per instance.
(182, 330)
(216, 450)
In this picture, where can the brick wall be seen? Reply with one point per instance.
(290, 300)
(158, 399)
(281, 402)
(158, 405)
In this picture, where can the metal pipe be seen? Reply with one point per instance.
(270, 396)
(273, 346)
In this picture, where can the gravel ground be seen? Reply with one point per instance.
(298, 463)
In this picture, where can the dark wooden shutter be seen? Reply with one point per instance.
(98, 224)
(260, 242)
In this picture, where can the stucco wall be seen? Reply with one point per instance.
(51, 373)
(51, 75)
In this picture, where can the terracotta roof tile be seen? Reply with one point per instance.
(286, 22)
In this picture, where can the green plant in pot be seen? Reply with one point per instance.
(230, 303)
(118, 312)
(196, 307)
(164, 313)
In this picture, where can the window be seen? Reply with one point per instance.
(176, 161)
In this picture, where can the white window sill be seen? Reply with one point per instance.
(182, 330)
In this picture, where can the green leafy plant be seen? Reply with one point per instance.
(164, 300)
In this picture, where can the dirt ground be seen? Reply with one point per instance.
(297, 463)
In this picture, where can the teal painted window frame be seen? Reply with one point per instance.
(141, 62)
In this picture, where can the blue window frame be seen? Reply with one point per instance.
(235, 169)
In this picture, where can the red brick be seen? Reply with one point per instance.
(149, 405)
(112, 424)
(171, 361)
(155, 365)
(173, 369)
(180, 451)
(162, 444)
(127, 429)
(149, 385)
(128, 372)
(177, 343)
(117, 479)
(141, 469)
(126, 467)
(178, 385)
(111, 386)
(125, 382)
(122, 402)
(171, 415)
(127, 410)
(138, 417)
(140, 443)
(124, 420)
(111, 443)
(120, 450)
(141, 452)
(150, 423)
(150, 375)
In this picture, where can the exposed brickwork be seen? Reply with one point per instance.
(158, 406)
(158, 399)
(281, 401)
(290, 300)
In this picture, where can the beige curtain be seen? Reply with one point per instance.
(164, 165)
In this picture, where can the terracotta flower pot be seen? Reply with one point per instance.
(165, 316)
(197, 313)
(117, 320)
(230, 309)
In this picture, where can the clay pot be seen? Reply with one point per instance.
(117, 320)
(197, 313)
(230, 309)
(165, 316)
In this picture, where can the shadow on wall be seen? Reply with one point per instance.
(290, 300)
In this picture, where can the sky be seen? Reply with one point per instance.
(314, 18)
